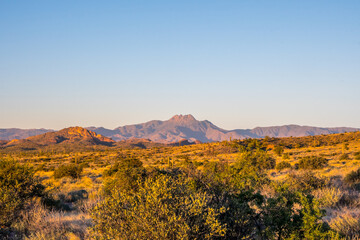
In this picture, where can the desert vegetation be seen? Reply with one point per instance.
(271, 188)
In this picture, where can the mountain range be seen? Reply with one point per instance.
(181, 127)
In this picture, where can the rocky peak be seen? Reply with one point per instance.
(183, 118)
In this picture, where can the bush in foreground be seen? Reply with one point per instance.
(18, 186)
(218, 202)
(163, 208)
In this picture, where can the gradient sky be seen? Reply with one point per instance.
(239, 64)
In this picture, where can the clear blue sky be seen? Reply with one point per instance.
(239, 64)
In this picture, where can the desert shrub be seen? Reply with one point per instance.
(353, 177)
(350, 198)
(293, 215)
(286, 156)
(245, 174)
(124, 175)
(18, 186)
(162, 208)
(68, 170)
(282, 165)
(344, 156)
(74, 196)
(219, 201)
(312, 162)
(305, 181)
(259, 159)
(357, 155)
(278, 150)
(84, 165)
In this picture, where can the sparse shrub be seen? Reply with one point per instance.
(278, 150)
(305, 181)
(74, 196)
(286, 156)
(68, 170)
(18, 186)
(350, 198)
(353, 177)
(357, 155)
(84, 165)
(259, 159)
(282, 165)
(312, 162)
(124, 175)
(344, 156)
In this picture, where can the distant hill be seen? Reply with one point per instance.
(185, 127)
(73, 135)
(16, 133)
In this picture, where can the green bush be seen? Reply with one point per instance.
(162, 208)
(292, 215)
(312, 162)
(18, 186)
(282, 165)
(124, 175)
(210, 204)
(68, 170)
(259, 159)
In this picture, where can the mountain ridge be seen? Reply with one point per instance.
(186, 127)
(71, 135)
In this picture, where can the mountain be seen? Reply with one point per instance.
(72, 135)
(181, 127)
(16, 133)
(178, 129)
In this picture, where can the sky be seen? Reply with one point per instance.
(239, 64)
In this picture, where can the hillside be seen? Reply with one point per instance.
(68, 136)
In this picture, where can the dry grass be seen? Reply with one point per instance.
(346, 221)
(39, 223)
